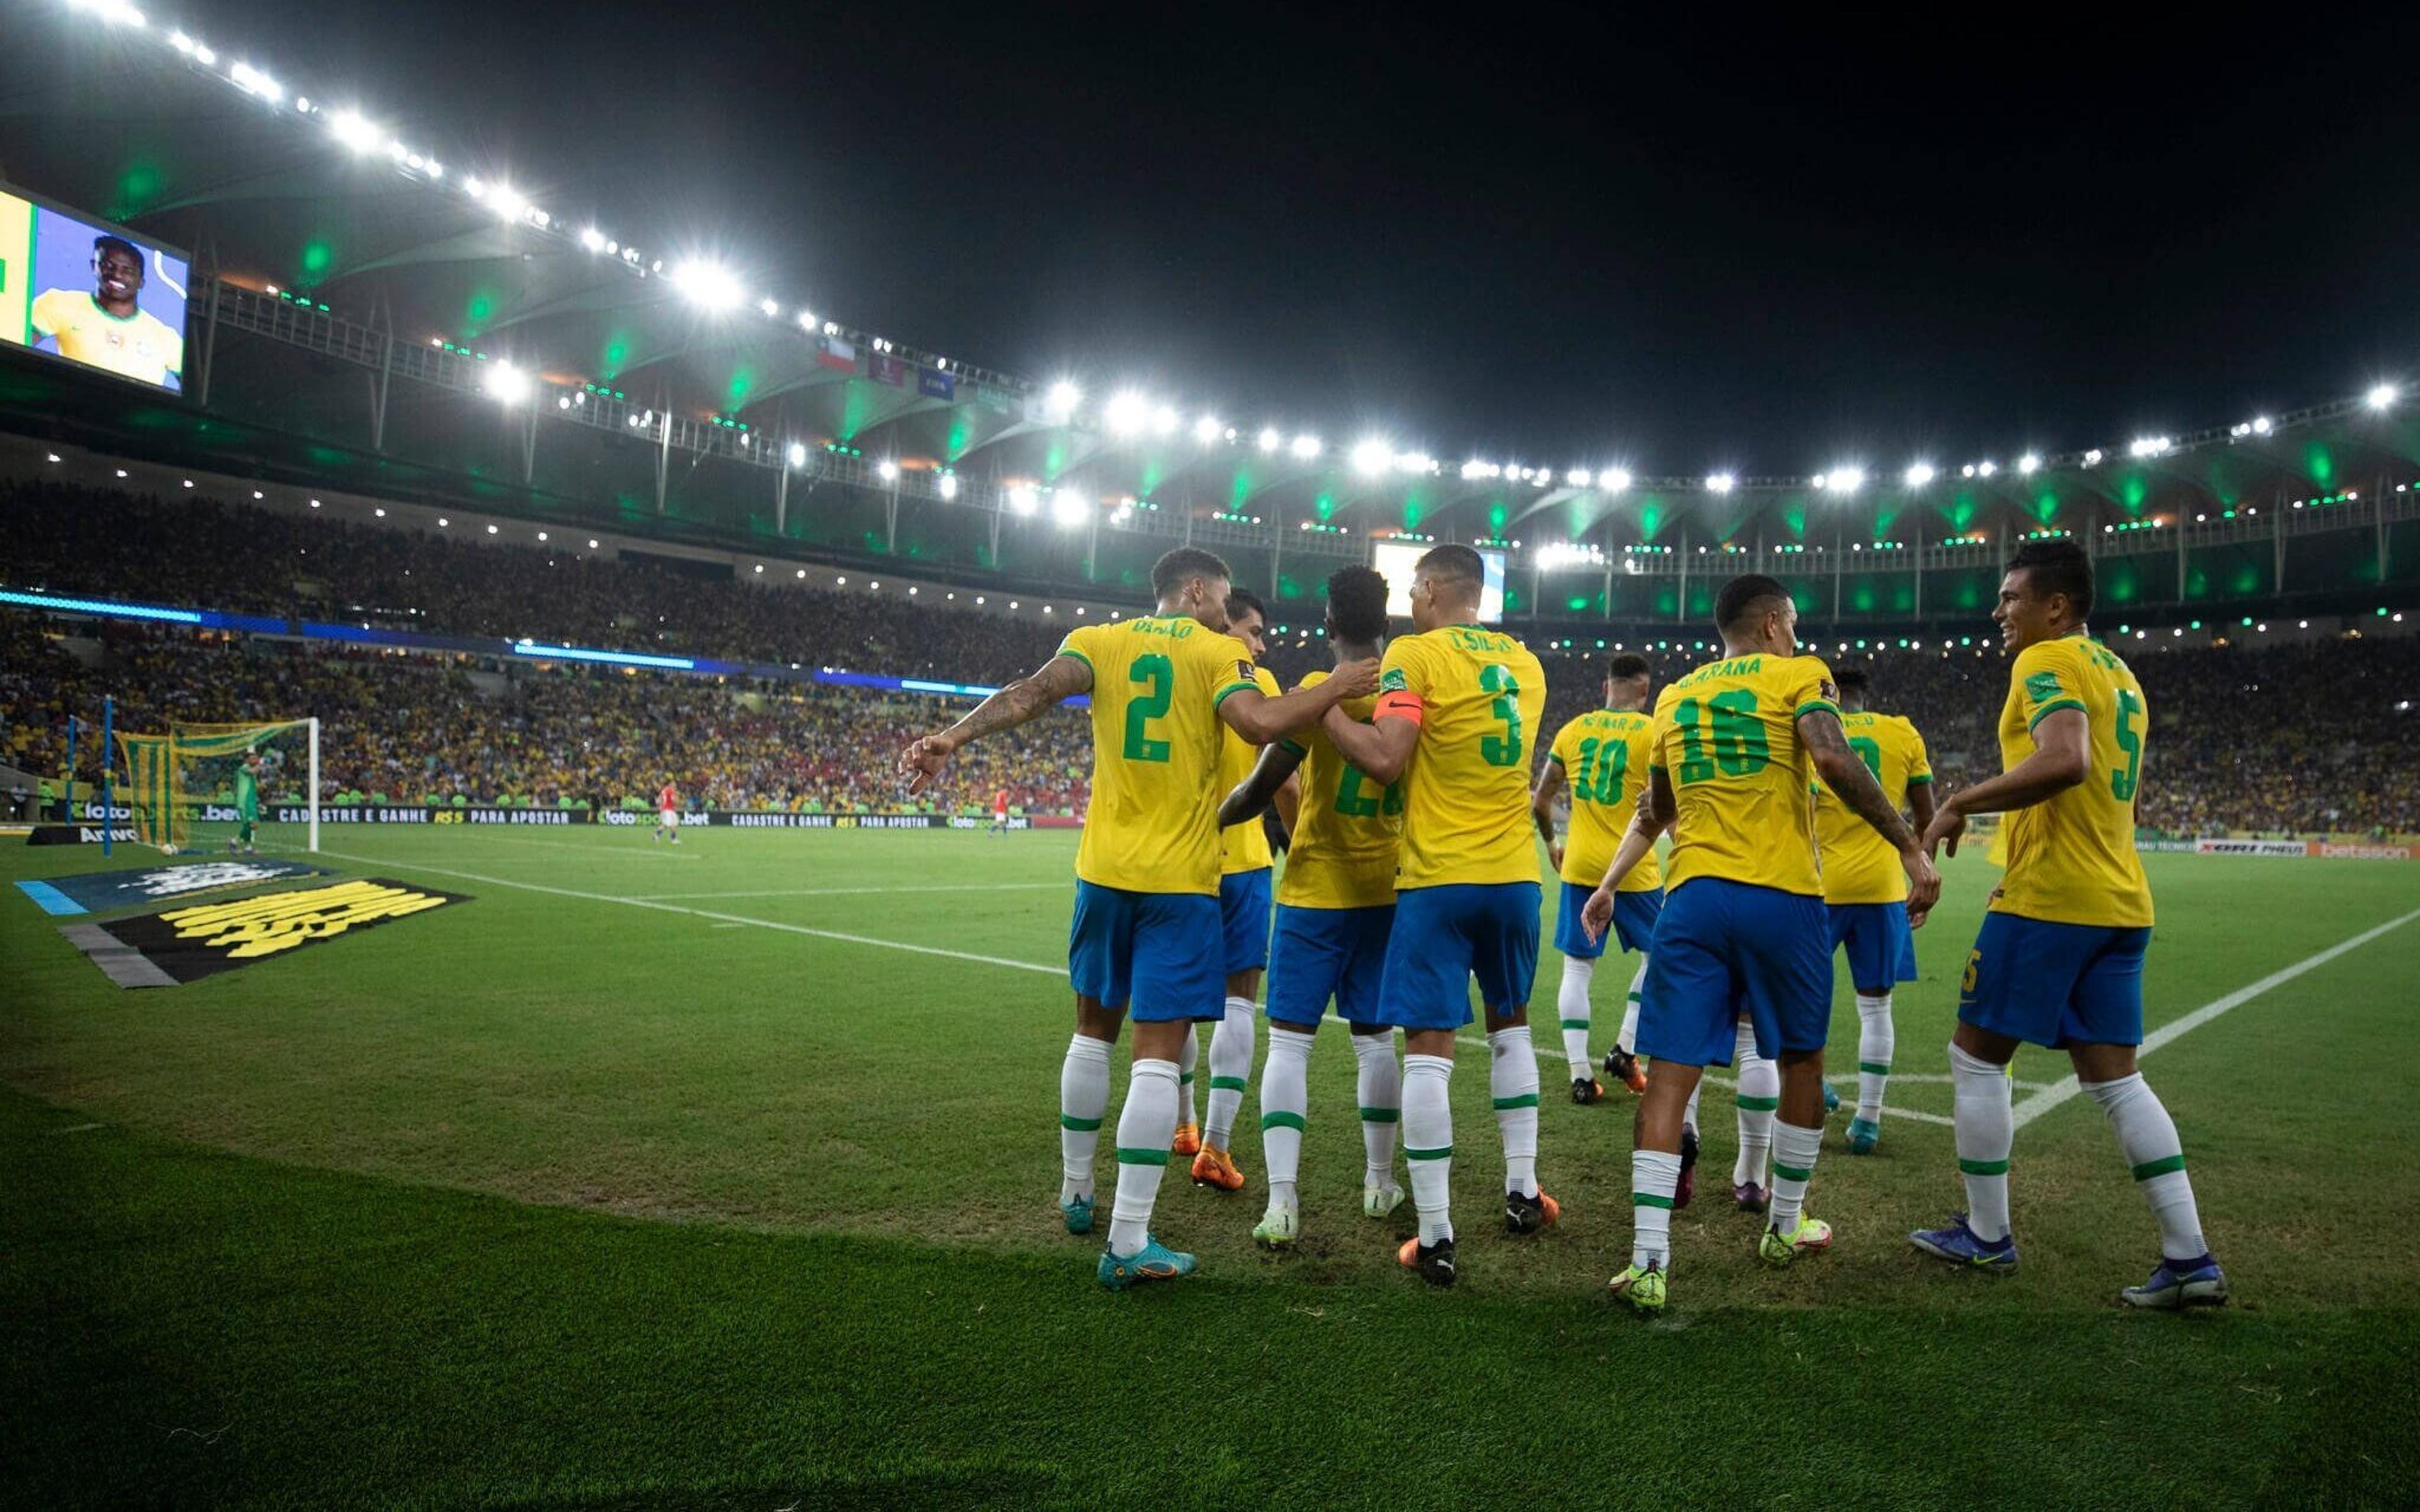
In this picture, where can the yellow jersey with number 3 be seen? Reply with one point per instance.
(1727, 738)
(1243, 847)
(1604, 756)
(1466, 790)
(1157, 682)
(1345, 827)
(1859, 866)
(2071, 858)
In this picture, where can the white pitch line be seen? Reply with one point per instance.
(700, 913)
(854, 893)
(2060, 1091)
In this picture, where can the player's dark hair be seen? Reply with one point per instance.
(1183, 562)
(1628, 665)
(108, 244)
(1455, 563)
(1242, 601)
(1744, 597)
(1856, 678)
(2057, 566)
(1356, 605)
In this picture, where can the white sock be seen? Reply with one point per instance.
(1875, 1040)
(1083, 1098)
(1145, 1128)
(1231, 1071)
(1628, 1038)
(2147, 1136)
(1571, 1005)
(1512, 1081)
(1689, 1109)
(1793, 1165)
(1985, 1131)
(1380, 1092)
(1285, 1097)
(1760, 1094)
(1654, 1176)
(1428, 1141)
(1187, 1059)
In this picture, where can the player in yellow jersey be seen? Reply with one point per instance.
(108, 327)
(1743, 932)
(1145, 935)
(2059, 960)
(1335, 906)
(1866, 892)
(1244, 863)
(1602, 756)
(1457, 711)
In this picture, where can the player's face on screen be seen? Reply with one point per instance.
(118, 276)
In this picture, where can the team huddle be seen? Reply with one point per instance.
(1403, 779)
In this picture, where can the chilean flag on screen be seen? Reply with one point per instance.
(838, 354)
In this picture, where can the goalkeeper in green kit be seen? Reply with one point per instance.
(247, 803)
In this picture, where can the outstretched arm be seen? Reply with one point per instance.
(1258, 790)
(1059, 679)
(1846, 775)
(2062, 758)
(1655, 814)
(1261, 719)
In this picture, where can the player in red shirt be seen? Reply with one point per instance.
(668, 814)
(1000, 812)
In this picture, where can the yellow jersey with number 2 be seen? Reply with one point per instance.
(1243, 847)
(1727, 738)
(1345, 827)
(1466, 792)
(2072, 860)
(1859, 866)
(1604, 755)
(1157, 682)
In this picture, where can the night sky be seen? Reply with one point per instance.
(1581, 238)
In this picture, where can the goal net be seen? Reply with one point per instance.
(208, 784)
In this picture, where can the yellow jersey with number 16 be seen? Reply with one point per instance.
(1727, 738)
(1859, 866)
(1243, 847)
(1466, 790)
(2071, 858)
(1345, 827)
(1604, 756)
(1157, 682)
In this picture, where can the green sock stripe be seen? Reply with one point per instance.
(1759, 1105)
(1141, 1157)
(1527, 1100)
(1281, 1121)
(1079, 1125)
(1577, 1023)
(1649, 1200)
(1982, 1168)
(1227, 1084)
(2160, 1168)
(1634, 998)
(1382, 1115)
(1874, 1068)
(1184, 1076)
(1793, 1173)
(1444, 1153)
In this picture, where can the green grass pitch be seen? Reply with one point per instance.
(659, 1176)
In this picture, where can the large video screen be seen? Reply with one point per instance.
(1394, 560)
(91, 293)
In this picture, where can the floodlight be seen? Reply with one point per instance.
(1206, 429)
(1305, 447)
(949, 486)
(1126, 413)
(797, 454)
(1372, 456)
(2260, 425)
(1579, 477)
(1269, 438)
(1023, 500)
(507, 384)
(1063, 399)
(1721, 482)
(1068, 506)
(773, 310)
(1163, 421)
(2382, 397)
(887, 469)
(1918, 474)
(348, 127)
(2028, 464)
(705, 284)
(1613, 480)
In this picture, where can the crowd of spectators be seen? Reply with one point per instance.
(2307, 737)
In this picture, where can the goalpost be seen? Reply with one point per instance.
(205, 774)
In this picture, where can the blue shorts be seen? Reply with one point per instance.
(1321, 954)
(1446, 936)
(1881, 947)
(1244, 919)
(1634, 922)
(1727, 949)
(2055, 984)
(1158, 951)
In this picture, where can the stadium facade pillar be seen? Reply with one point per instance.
(782, 500)
(2277, 544)
(209, 335)
(2378, 513)
(1681, 600)
(891, 519)
(1839, 549)
(1092, 546)
(379, 386)
(663, 453)
(529, 444)
(2181, 557)
(1607, 600)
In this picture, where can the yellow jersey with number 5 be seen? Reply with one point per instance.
(1243, 847)
(1466, 790)
(1604, 756)
(1157, 682)
(1345, 827)
(1727, 738)
(1859, 866)
(2071, 858)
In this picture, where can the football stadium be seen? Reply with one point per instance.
(560, 795)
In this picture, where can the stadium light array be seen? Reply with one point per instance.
(707, 285)
(948, 484)
(1372, 456)
(1721, 482)
(507, 384)
(1060, 402)
(887, 470)
(2382, 397)
(1269, 438)
(1068, 506)
(1125, 414)
(1023, 500)
(1206, 429)
(1305, 447)
(1919, 473)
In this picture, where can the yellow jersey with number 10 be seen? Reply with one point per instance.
(1157, 682)
(1243, 847)
(1345, 827)
(1859, 866)
(2071, 858)
(1466, 790)
(1726, 739)
(1604, 756)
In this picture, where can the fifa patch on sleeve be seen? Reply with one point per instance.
(1393, 680)
(2042, 686)
(1246, 672)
